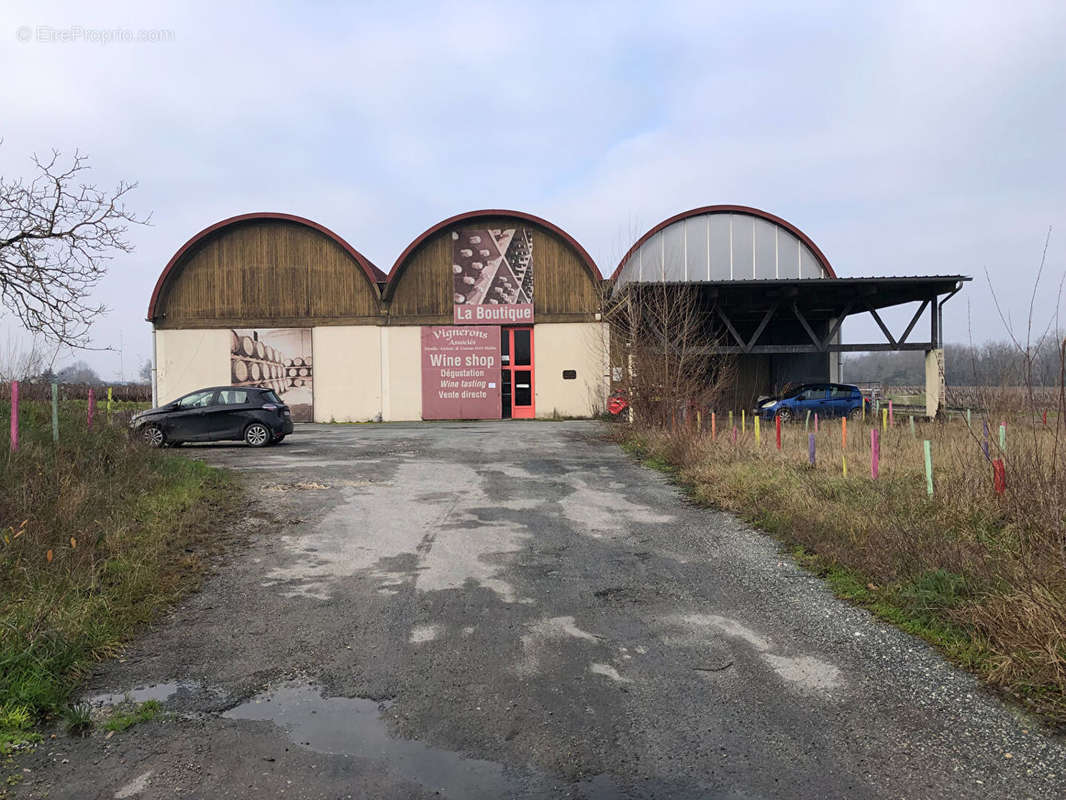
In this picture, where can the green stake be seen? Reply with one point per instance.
(55, 413)
(807, 421)
(928, 468)
(913, 434)
(967, 418)
(1003, 437)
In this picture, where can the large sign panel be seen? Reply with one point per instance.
(278, 359)
(492, 276)
(461, 372)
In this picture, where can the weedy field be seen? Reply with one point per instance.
(98, 534)
(976, 571)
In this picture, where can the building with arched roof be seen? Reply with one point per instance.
(768, 297)
(490, 313)
(499, 313)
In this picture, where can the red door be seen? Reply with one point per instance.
(516, 379)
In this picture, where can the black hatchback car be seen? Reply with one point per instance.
(258, 416)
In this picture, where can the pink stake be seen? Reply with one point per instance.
(14, 416)
(891, 416)
(816, 422)
(875, 453)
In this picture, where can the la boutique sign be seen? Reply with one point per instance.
(492, 276)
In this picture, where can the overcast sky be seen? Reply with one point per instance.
(904, 138)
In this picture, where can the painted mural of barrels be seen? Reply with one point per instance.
(248, 346)
(257, 371)
(303, 372)
(297, 362)
(260, 349)
(240, 371)
(235, 342)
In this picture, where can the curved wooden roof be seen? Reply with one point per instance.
(397, 268)
(373, 274)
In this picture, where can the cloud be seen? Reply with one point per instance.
(904, 138)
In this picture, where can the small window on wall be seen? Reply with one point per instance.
(569, 374)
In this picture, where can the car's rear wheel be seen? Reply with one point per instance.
(153, 436)
(785, 415)
(257, 435)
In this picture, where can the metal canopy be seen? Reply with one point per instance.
(804, 315)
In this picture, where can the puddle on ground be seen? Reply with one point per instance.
(353, 726)
(156, 691)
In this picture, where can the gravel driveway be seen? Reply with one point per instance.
(519, 610)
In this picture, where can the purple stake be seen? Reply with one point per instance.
(810, 447)
(875, 453)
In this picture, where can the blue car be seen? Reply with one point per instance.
(823, 399)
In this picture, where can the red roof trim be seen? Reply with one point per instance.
(755, 212)
(373, 274)
(394, 273)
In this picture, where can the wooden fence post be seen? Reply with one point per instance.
(92, 406)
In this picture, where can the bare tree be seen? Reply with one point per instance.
(21, 360)
(662, 342)
(56, 236)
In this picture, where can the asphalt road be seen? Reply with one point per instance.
(519, 610)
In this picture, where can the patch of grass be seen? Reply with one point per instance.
(979, 575)
(124, 718)
(77, 719)
(16, 727)
(97, 535)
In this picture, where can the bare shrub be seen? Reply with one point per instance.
(661, 340)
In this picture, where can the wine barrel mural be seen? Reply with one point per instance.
(278, 359)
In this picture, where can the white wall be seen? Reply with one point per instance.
(580, 346)
(347, 385)
(191, 359)
(402, 377)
